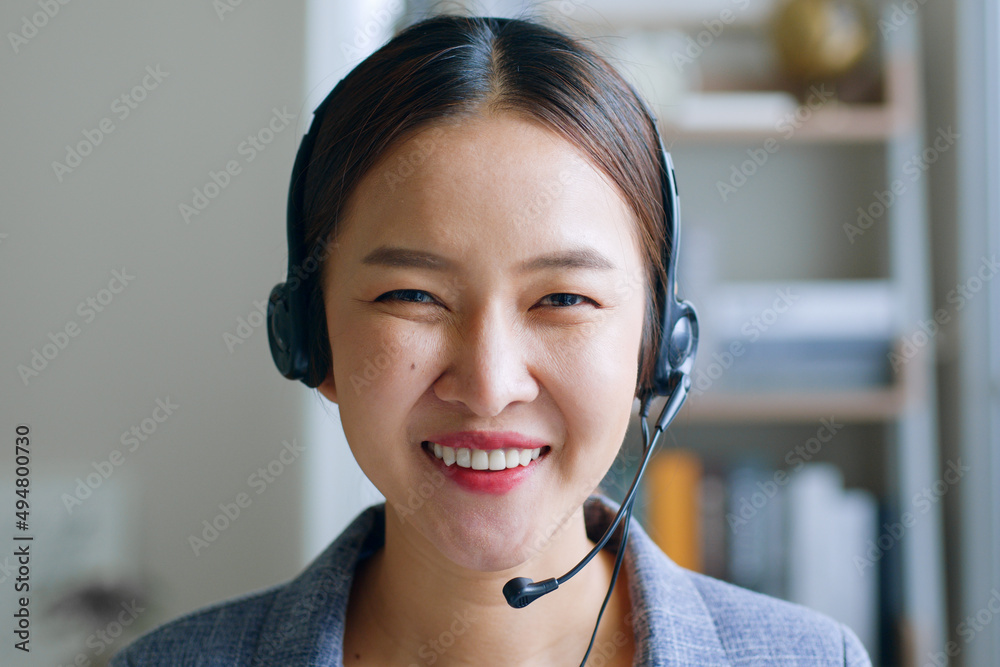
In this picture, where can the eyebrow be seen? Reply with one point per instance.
(575, 258)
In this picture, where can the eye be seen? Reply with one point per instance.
(395, 295)
(560, 299)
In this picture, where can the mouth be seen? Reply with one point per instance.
(481, 459)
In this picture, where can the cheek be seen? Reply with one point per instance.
(371, 360)
(595, 382)
(598, 362)
(374, 368)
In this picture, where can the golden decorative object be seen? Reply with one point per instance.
(821, 39)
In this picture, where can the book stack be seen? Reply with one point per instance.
(796, 534)
(800, 335)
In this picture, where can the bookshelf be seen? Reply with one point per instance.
(781, 228)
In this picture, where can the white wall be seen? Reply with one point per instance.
(339, 36)
(163, 334)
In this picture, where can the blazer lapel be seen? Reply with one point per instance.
(670, 621)
(305, 627)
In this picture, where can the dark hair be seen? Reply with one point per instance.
(448, 67)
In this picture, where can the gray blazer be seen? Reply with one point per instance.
(679, 617)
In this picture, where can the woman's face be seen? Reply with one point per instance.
(488, 278)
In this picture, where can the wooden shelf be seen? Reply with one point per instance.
(835, 124)
(832, 122)
(869, 405)
(790, 406)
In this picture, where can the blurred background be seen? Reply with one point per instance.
(837, 163)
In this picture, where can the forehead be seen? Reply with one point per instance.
(505, 174)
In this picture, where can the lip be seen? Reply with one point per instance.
(487, 440)
(493, 482)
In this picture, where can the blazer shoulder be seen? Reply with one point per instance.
(759, 629)
(223, 633)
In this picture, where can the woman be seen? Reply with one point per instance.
(482, 200)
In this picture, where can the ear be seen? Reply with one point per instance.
(327, 387)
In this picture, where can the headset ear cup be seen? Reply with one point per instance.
(289, 347)
(678, 346)
(280, 330)
(684, 339)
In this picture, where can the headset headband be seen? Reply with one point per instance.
(288, 304)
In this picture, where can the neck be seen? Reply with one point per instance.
(414, 603)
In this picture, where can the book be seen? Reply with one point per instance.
(673, 511)
(714, 557)
(755, 522)
(828, 529)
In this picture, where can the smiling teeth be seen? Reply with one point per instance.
(478, 459)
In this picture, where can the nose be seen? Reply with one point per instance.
(488, 369)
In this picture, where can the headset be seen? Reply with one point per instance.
(287, 327)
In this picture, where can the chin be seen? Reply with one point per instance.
(485, 543)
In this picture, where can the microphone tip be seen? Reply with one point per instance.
(514, 592)
(521, 591)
